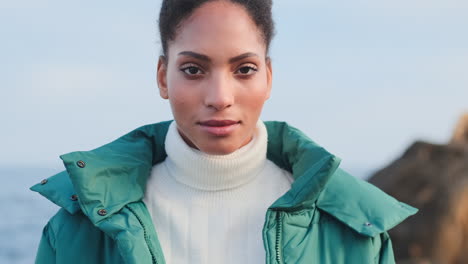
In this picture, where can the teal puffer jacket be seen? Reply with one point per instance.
(327, 216)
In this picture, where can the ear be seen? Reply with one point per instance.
(161, 75)
(269, 72)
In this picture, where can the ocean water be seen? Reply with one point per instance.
(25, 213)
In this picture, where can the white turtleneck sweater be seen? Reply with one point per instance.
(211, 209)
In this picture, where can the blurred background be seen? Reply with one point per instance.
(365, 79)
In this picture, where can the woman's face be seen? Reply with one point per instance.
(216, 77)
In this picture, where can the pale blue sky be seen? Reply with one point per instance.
(362, 78)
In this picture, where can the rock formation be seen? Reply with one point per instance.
(460, 134)
(434, 179)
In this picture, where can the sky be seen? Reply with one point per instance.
(364, 79)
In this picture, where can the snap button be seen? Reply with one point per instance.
(44, 181)
(367, 224)
(102, 212)
(74, 197)
(81, 164)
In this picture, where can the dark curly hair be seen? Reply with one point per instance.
(173, 12)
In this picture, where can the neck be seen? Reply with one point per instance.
(215, 172)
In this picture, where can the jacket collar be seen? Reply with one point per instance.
(115, 174)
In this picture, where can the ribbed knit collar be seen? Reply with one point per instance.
(215, 172)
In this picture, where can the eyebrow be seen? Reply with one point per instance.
(207, 59)
(242, 56)
(195, 55)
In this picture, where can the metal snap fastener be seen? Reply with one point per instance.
(74, 197)
(81, 164)
(367, 224)
(102, 212)
(44, 181)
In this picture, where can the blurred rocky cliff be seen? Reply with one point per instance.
(434, 179)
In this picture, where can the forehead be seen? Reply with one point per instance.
(218, 26)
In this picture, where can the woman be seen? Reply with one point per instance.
(217, 185)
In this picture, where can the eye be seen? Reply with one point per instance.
(247, 69)
(191, 70)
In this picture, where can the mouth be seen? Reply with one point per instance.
(219, 127)
(219, 123)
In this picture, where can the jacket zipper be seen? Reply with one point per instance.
(144, 234)
(279, 229)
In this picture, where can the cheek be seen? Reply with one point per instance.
(258, 94)
(257, 101)
(177, 89)
(180, 103)
(182, 99)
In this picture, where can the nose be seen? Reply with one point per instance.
(219, 92)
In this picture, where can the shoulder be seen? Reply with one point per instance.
(360, 205)
(355, 203)
(72, 238)
(64, 224)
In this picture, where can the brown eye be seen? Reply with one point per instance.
(246, 70)
(191, 70)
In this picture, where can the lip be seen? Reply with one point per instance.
(219, 127)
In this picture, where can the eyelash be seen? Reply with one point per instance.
(250, 66)
(190, 66)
